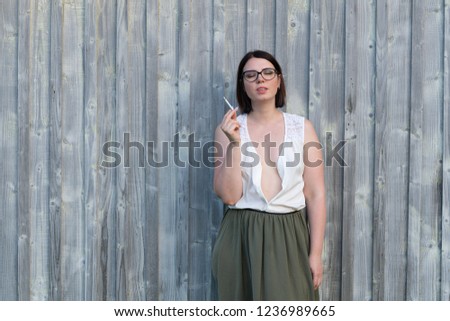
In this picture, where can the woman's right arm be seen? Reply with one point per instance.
(227, 169)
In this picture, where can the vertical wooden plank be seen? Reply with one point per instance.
(261, 25)
(151, 269)
(55, 151)
(34, 86)
(136, 184)
(131, 100)
(391, 149)
(445, 232)
(296, 71)
(172, 287)
(423, 282)
(93, 282)
(121, 128)
(200, 246)
(106, 106)
(9, 141)
(359, 150)
(136, 179)
(99, 124)
(72, 154)
(235, 28)
(326, 110)
(183, 128)
(281, 32)
(218, 90)
(24, 102)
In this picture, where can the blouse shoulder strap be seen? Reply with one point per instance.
(295, 126)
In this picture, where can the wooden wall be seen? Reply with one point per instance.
(76, 74)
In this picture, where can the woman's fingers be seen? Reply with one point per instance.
(315, 265)
(317, 281)
(230, 126)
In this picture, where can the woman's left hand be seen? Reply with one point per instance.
(316, 267)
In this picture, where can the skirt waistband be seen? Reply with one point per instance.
(303, 211)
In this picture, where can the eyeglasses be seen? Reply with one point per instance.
(266, 74)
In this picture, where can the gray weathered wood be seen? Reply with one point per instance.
(296, 69)
(121, 127)
(391, 149)
(173, 284)
(326, 111)
(55, 151)
(38, 153)
(9, 147)
(33, 86)
(98, 127)
(23, 106)
(234, 47)
(135, 205)
(130, 128)
(445, 228)
(183, 127)
(201, 113)
(359, 151)
(78, 74)
(425, 155)
(217, 112)
(261, 24)
(93, 276)
(72, 153)
(151, 271)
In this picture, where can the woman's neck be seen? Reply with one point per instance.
(264, 111)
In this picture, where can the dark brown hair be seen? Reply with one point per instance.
(244, 101)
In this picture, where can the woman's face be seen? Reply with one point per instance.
(261, 89)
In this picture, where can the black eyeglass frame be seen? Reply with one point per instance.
(260, 73)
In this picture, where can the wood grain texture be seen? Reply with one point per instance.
(99, 128)
(55, 151)
(78, 74)
(234, 47)
(93, 279)
(359, 150)
(186, 72)
(9, 128)
(73, 221)
(173, 280)
(297, 67)
(151, 269)
(261, 25)
(391, 149)
(445, 228)
(217, 111)
(424, 221)
(23, 106)
(130, 128)
(38, 153)
(201, 125)
(135, 186)
(326, 111)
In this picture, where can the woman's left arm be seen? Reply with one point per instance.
(314, 191)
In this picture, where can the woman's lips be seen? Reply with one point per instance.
(261, 90)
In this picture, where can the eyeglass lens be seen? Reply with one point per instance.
(266, 73)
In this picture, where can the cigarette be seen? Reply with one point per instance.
(228, 103)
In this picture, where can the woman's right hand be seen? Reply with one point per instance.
(230, 126)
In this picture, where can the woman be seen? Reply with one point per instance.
(269, 247)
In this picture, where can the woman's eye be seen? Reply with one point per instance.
(268, 72)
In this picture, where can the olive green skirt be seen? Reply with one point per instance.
(263, 256)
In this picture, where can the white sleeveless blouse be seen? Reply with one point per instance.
(289, 165)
